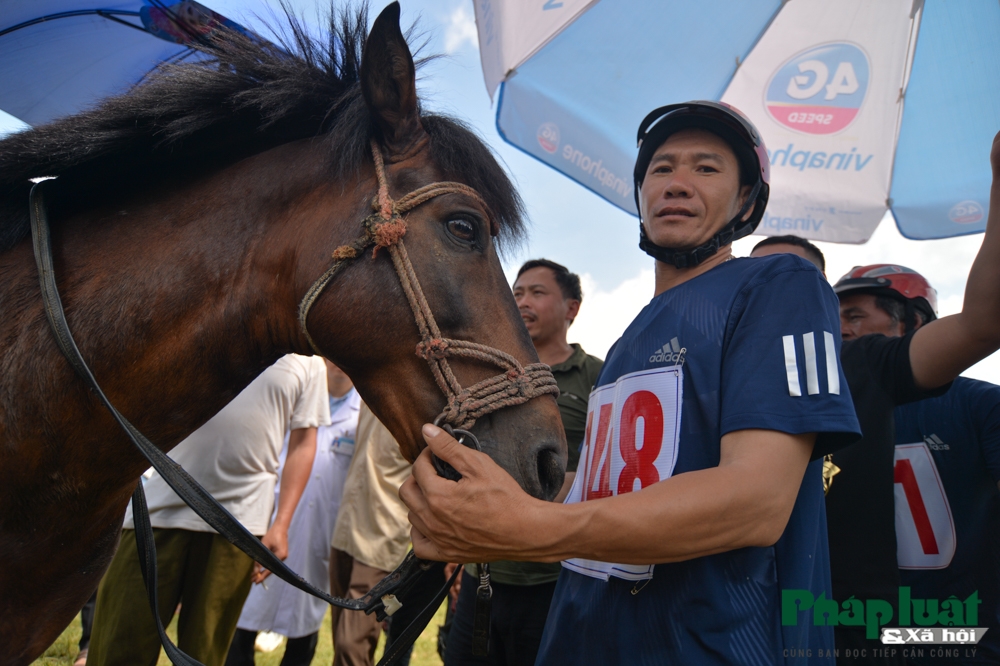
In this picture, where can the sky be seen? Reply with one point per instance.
(573, 226)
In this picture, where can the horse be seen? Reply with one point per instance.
(189, 217)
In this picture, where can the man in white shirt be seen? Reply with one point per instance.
(235, 456)
(281, 608)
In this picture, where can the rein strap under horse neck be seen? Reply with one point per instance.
(385, 228)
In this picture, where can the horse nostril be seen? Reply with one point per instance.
(550, 472)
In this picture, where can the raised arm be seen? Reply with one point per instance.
(942, 349)
(745, 501)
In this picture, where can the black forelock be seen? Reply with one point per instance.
(462, 155)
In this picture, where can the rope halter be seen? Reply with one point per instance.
(385, 228)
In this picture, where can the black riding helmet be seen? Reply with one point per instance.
(740, 134)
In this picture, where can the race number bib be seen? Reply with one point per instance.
(633, 427)
(925, 530)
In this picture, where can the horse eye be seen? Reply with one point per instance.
(462, 229)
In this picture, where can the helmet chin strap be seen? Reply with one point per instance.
(693, 257)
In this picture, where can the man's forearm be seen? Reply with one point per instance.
(295, 475)
(689, 515)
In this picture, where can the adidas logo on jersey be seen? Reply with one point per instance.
(672, 352)
(935, 444)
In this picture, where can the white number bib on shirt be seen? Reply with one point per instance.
(925, 531)
(633, 427)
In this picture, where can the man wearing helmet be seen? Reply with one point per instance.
(884, 299)
(947, 456)
(899, 357)
(680, 534)
(933, 509)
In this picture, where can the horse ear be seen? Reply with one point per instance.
(389, 84)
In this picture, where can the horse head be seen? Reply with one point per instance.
(372, 325)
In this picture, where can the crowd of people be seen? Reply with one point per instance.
(764, 469)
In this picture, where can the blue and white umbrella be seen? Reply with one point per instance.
(865, 106)
(58, 57)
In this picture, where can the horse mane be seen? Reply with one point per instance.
(246, 96)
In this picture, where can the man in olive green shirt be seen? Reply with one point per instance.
(548, 297)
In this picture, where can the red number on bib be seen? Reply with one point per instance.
(599, 462)
(640, 463)
(903, 474)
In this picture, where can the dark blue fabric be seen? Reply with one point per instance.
(725, 608)
(962, 431)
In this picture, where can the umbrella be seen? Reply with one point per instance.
(864, 106)
(58, 57)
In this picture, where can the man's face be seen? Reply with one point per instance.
(784, 248)
(860, 316)
(546, 313)
(691, 189)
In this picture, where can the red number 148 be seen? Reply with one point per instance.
(638, 462)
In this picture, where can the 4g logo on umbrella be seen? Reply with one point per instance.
(819, 90)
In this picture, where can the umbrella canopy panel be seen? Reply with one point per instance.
(829, 85)
(512, 32)
(60, 57)
(941, 180)
(576, 104)
(62, 65)
(823, 87)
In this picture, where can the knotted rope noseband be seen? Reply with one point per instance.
(385, 228)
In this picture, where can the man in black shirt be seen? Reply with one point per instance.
(895, 352)
(883, 309)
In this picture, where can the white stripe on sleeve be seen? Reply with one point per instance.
(791, 366)
(812, 374)
(832, 369)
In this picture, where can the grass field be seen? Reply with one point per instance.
(62, 652)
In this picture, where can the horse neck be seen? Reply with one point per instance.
(206, 280)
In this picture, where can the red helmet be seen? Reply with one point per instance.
(894, 281)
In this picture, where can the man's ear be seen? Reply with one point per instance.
(389, 86)
(572, 309)
(744, 193)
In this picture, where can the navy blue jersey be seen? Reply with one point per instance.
(751, 344)
(947, 504)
